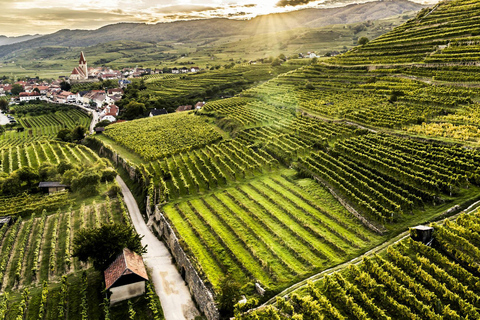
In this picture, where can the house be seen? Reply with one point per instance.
(43, 89)
(184, 70)
(157, 112)
(175, 70)
(199, 105)
(184, 108)
(66, 97)
(52, 187)
(194, 69)
(125, 277)
(28, 96)
(114, 92)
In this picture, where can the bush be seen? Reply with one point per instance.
(108, 175)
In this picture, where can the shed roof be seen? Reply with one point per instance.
(49, 184)
(127, 263)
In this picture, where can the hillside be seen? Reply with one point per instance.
(11, 40)
(196, 31)
(446, 33)
(318, 166)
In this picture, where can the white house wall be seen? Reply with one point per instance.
(127, 292)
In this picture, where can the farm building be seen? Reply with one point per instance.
(157, 112)
(52, 187)
(126, 276)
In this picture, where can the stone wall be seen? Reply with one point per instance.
(199, 291)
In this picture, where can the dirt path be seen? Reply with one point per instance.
(174, 295)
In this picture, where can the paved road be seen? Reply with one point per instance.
(94, 116)
(3, 119)
(174, 295)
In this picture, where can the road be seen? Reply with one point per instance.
(94, 116)
(3, 119)
(174, 295)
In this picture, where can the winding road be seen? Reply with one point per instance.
(174, 295)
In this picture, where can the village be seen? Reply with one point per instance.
(104, 102)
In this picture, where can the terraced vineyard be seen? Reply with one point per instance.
(33, 154)
(410, 281)
(167, 134)
(445, 33)
(45, 126)
(269, 230)
(38, 276)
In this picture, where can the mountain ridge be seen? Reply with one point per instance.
(190, 30)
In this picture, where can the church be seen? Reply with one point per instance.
(80, 72)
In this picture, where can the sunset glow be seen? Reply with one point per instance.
(40, 17)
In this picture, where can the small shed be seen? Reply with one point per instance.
(52, 187)
(5, 220)
(423, 234)
(99, 130)
(157, 112)
(126, 276)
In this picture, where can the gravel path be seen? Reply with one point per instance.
(174, 295)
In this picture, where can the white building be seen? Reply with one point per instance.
(29, 96)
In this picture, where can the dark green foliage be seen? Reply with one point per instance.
(102, 245)
(229, 295)
(362, 41)
(86, 183)
(78, 133)
(134, 110)
(16, 89)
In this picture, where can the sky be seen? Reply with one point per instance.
(20, 17)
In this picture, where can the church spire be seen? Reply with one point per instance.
(82, 59)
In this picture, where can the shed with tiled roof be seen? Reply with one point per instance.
(126, 276)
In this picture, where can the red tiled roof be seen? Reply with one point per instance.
(127, 263)
(29, 94)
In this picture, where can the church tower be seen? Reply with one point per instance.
(83, 65)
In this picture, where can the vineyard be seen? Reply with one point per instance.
(410, 281)
(162, 136)
(39, 278)
(446, 33)
(13, 157)
(268, 230)
(42, 126)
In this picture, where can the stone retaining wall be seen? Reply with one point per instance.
(199, 291)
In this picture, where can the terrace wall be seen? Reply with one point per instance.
(199, 291)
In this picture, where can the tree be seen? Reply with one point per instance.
(229, 295)
(28, 175)
(4, 105)
(102, 245)
(16, 89)
(363, 40)
(103, 123)
(64, 135)
(65, 86)
(86, 183)
(78, 133)
(36, 90)
(133, 110)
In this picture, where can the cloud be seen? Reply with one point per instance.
(292, 3)
(184, 9)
